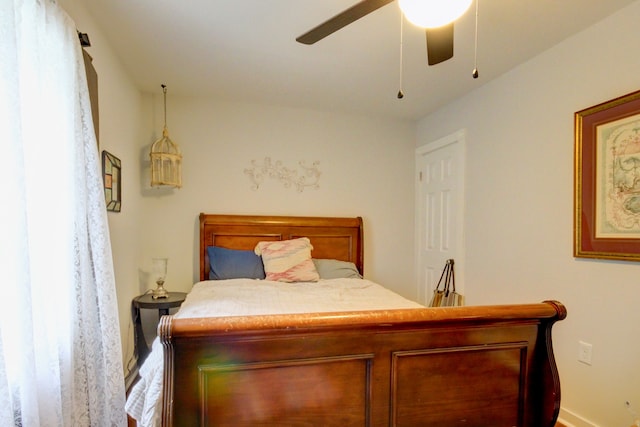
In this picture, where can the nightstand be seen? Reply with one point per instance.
(146, 301)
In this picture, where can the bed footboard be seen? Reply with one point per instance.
(459, 366)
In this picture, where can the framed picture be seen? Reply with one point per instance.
(607, 180)
(112, 179)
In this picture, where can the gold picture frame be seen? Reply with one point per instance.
(607, 180)
(112, 179)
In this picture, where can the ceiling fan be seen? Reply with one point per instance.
(439, 40)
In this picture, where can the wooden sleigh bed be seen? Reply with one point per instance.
(465, 366)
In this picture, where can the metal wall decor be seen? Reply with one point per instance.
(112, 180)
(308, 177)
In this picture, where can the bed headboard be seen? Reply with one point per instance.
(334, 238)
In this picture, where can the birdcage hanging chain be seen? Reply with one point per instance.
(164, 91)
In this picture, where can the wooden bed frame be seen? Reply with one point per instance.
(464, 366)
(333, 238)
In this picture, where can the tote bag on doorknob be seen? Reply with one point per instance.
(447, 296)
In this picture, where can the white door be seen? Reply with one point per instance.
(439, 216)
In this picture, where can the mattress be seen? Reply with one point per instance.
(245, 297)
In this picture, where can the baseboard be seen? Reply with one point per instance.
(568, 418)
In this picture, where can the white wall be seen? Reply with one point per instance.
(120, 116)
(520, 152)
(519, 218)
(366, 166)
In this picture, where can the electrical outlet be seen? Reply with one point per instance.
(585, 351)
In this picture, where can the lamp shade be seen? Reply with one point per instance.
(159, 269)
(433, 13)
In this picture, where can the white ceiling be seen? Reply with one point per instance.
(245, 50)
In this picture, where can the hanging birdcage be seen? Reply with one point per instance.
(166, 159)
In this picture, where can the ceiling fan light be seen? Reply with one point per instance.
(433, 13)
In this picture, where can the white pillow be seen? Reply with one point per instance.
(288, 260)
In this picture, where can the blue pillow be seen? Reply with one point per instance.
(234, 264)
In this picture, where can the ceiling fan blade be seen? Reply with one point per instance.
(439, 44)
(341, 20)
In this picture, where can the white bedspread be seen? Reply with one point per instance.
(243, 297)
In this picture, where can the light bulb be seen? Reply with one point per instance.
(433, 13)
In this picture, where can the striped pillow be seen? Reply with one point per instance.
(288, 260)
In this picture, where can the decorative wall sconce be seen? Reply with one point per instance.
(166, 160)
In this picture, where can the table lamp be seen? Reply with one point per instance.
(159, 267)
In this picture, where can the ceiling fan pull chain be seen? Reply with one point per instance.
(475, 60)
(400, 93)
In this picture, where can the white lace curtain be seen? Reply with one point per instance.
(60, 357)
